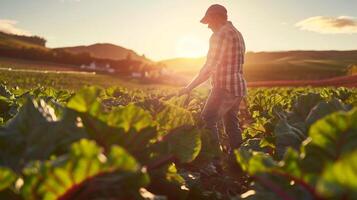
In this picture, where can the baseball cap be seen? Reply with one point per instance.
(212, 10)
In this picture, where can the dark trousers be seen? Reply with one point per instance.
(222, 105)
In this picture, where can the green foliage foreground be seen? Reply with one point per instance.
(130, 144)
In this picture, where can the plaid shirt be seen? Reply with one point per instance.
(225, 60)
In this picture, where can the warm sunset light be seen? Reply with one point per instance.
(167, 29)
(191, 46)
(178, 99)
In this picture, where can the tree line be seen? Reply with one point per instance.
(36, 40)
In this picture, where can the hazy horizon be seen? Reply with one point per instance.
(203, 56)
(170, 29)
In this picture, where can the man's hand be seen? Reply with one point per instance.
(183, 91)
(200, 78)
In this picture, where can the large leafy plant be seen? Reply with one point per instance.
(317, 172)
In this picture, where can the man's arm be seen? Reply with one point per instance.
(214, 57)
(200, 78)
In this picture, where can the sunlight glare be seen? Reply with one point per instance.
(191, 46)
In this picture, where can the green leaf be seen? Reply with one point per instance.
(129, 117)
(166, 181)
(86, 100)
(99, 131)
(257, 144)
(126, 163)
(292, 128)
(7, 177)
(133, 141)
(323, 109)
(4, 91)
(290, 164)
(7, 107)
(330, 138)
(173, 117)
(286, 135)
(210, 149)
(184, 143)
(273, 187)
(35, 133)
(339, 180)
(254, 162)
(271, 179)
(74, 175)
(305, 103)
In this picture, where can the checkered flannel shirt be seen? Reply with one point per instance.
(225, 60)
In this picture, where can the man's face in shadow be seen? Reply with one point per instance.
(215, 22)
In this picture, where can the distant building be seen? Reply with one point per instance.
(136, 75)
(98, 67)
(165, 71)
(352, 70)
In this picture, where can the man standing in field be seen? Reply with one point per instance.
(224, 65)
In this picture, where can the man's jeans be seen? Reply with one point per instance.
(222, 105)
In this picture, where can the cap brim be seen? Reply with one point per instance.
(204, 20)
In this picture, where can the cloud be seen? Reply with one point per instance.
(329, 25)
(9, 26)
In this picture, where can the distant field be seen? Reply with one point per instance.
(59, 81)
(274, 70)
(50, 74)
(268, 66)
(28, 74)
(71, 81)
(36, 65)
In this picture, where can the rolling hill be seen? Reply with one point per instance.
(33, 48)
(259, 66)
(15, 41)
(99, 50)
(107, 51)
(285, 65)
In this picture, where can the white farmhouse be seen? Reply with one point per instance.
(136, 75)
(97, 67)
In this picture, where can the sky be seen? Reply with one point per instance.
(162, 29)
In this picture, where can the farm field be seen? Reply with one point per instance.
(121, 140)
(112, 100)
(12, 63)
(73, 81)
(343, 81)
(66, 79)
(290, 65)
(69, 80)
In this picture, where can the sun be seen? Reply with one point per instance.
(191, 46)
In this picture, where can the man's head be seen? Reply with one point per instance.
(215, 17)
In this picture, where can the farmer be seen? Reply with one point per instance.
(224, 65)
